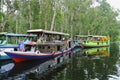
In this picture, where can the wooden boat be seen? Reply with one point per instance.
(10, 42)
(92, 41)
(18, 56)
(45, 47)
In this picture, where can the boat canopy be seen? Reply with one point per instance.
(38, 31)
(16, 35)
(3, 33)
(89, 36)
(97, 36)
(81, 36)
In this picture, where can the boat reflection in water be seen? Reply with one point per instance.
(5, 67)
(47, 69)
(32, 69)
(97, 53)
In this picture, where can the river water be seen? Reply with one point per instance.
(87, 64)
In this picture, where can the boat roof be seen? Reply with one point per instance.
(96, 36)
(81, 35)
(3, 33)
(36, 31)
(89, 36)
(16, 35)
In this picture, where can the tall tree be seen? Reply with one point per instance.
(69, 16)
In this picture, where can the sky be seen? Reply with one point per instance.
(114, 3)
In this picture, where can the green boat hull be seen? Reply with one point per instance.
(92, 44)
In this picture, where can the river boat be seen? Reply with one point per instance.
(10, 42)
(93, 41)
(48, 44)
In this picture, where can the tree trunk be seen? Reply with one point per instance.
(30, 16)
(54, 15)
(16, 30)
(45, 24)
(3, 22)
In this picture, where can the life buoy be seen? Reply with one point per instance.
(37, 52)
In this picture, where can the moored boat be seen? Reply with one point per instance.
(92, 41)
(10, 42)
(48, 44)
(19, 56)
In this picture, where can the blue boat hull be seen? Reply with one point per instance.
(18, 56)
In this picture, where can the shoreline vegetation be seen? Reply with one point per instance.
(75, 17)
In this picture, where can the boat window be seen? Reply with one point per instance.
(2, 38)
(39, 46)
(58, 47)
(48, 47)
(48, 38)
(15, 49)
(69, 44)
(0, 41)
(58, 60)
(4, 42)
(42, 47)
(27, 47)
(60, 37)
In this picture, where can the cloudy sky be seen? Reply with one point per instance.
(114, 3)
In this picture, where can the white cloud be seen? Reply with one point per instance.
(95, 4)
(114, 3)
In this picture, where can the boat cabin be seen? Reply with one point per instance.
(48, 41)
(13, 39)
(80, 37)
(90, 41)
(91, 38)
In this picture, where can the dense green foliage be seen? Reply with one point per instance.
(70, 16)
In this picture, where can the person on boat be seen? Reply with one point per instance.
(21, 45)
(63, 39)
(40, 39)
(50, 38)
(98, 39)
(53, 38)
(33, 41)
(44, 38)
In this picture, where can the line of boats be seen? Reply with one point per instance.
(44, 44)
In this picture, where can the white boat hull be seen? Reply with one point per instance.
(4, 56)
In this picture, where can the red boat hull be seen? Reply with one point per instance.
(20, 59)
